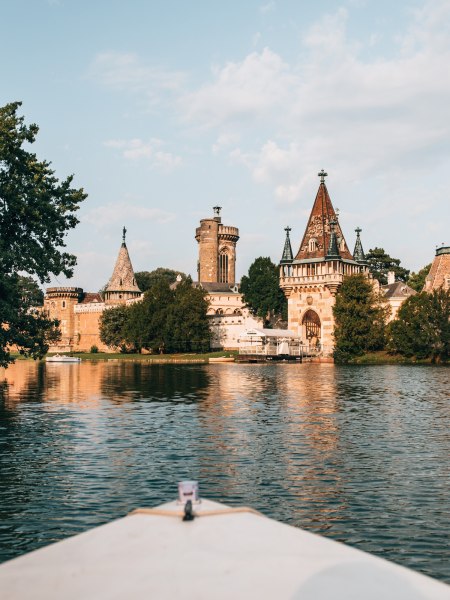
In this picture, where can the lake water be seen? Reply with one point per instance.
(358, 454)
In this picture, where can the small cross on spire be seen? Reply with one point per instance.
(124, 233)
(287, 230)
(217, 210)
(358, 231)
(322, 176)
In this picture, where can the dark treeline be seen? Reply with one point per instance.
(421, 329)
(169, 319)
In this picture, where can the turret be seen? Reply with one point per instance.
(122, 286)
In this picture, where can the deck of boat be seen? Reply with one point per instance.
(223, 553)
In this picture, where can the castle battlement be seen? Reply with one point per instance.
(64, 292)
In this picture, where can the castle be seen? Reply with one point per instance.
(310, 281)
(79, 312)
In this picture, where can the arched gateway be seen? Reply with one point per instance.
(311, 327)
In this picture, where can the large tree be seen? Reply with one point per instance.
(422, 327)
(360, 318)
(417, 280)
(166, 320)
(261, 291)
(380, 263)
(145, 279)
(36, 212)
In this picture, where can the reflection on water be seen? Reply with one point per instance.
(360, 454)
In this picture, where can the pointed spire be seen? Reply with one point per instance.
(333, 252)
(358, 252)
(316, 239)
(287, 257)
(123, 279)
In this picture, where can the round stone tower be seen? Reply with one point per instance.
(59, 304)
(217, 250)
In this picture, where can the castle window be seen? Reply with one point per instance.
(120, 281)
(64, 304)
(223, 266)
(342, 244)
(312, 247)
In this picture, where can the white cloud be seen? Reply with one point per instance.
(266, 8)
(243, 90)
(225, 140)
(136, 149)
(364, 116)
(126, 72)
(109, 214)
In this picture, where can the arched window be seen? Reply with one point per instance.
(223, 266)
(312, 247)
(237, 312)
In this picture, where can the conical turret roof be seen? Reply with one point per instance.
(358, 252)
(287, 250)
(318, 230)
(123, 279)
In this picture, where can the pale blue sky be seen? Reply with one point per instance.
(165, 109)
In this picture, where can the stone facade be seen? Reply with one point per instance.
(229, 318)
(79, 312)
(439, 275)
(312, 279)
(217, 250)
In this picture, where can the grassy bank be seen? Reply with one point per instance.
(159, 358)
(383, 358)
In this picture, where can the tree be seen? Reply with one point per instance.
(417, 280)
(360, 317)
(31, 293)
(166, 320)
(381, 263)
(261, 291)
(36, 211)
(422, 327)
(145, 279)
(113, 322)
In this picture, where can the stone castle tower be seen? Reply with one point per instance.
(59, 303)
(312, 279)
(439, 275)
(122, 286)
(217, 250)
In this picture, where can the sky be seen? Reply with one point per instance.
(164, 109)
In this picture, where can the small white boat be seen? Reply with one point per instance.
(222, 553)
(62, 358)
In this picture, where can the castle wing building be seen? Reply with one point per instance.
(312, 279)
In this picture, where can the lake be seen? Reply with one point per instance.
(359, 454)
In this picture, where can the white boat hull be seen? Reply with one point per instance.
(222, 554)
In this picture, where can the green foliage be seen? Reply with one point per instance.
(360, 318)
(422, 327)
(112, 326)
(261, 291)
(145, 279)
(36, 211)
(417, 280)
(381, 263)
(165, 320)
(31, 293)
(94, 349)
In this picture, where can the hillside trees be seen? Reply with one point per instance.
(261, 291)
(422, 327)
(165, 320)
(36, 212)
(360, 317)
(417, 280)
(145, 279)
(380, 263)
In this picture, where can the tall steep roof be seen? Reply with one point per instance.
(287, 250)
(439, 275)
(123, 279)
(318, 228)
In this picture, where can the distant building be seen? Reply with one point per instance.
(396, 292)
(79, 312)
(216, 268)
(312, 278)
(439, 275)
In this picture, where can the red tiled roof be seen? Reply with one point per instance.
(91, 297)
(318, 227)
